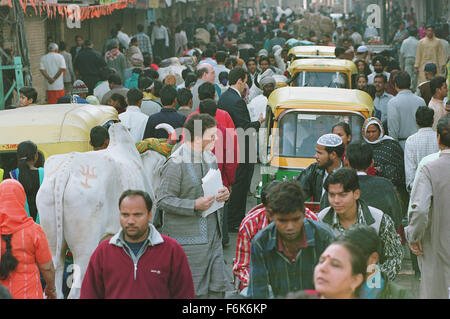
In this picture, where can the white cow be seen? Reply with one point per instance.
(78, 200)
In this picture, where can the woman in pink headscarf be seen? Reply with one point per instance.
(24, 249)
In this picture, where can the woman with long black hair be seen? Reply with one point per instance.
(29, 175)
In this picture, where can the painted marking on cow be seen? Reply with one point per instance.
(86, 172)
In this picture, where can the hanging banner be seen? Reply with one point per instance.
(86, 12)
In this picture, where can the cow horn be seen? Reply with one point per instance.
(170, 130)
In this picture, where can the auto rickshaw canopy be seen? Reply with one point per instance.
(323, 65)
(58, 128)
(320, 98)
(311, 51)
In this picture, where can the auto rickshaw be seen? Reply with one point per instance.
(56, 129)
(337, 73)
(297, 116)
(311, 51)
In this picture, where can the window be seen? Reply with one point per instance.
(299, 132)
(322, 79)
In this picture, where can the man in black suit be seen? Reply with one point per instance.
(232, 102)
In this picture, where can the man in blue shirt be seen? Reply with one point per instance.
(284, 254)
(168, 114)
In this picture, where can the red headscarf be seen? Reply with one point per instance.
(13, 216)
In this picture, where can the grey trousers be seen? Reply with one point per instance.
(409, 68)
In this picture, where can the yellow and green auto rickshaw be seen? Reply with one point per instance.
(56, 129)
(311, 51)
(296, 118)
(335, 73)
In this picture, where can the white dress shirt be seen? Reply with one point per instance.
(135, 121)
(159, 33)
(417, 146)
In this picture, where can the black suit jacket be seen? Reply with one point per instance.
(231, 102)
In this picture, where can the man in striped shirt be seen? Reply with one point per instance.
(255, 220)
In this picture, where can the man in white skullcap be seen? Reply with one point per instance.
(329, 151)
(53, 68)
(257, 105)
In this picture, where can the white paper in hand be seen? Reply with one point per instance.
(212, 183)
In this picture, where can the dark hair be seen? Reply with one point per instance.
(358, 260)
(264, 58)
(8, 262)
(286, 198)
(266, 190)
(345, 127)
(443, 130)
(208, 53)
(98, 136)
(26, 151)
(133, 40)
(140, 27)
(436, 83)
(62, 45)
(78, 37)
(168, 95)
(365, 237)
(206, 91)
(201, 69)
(185, 72)
(379, 58)
(183, 97)
(236, 74)
(223, 77)
(41, 160)
(191, 79)
(345, 176)
(134, 96)
(380, 76)
(157, 87)
(105, 72)
(371, 90)
(119, 97)
(424, 116)
(153, 74)
(137, 71)
(231, 61)
(87, 43)
(221, 56)
(133, 193)
(359, 155)
(338, 51)
(402, 80)
(114, 79)
(208, 106)
(207, 122)
(233, 49)
(339, 150)
(144, 82)
(29, 92)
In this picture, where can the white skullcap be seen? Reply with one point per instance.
(329, 140)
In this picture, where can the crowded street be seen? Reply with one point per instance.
(205, 149)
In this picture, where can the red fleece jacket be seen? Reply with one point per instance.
(162, 272)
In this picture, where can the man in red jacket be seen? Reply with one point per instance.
(138, 262)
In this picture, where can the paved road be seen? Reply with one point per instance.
(405, 278)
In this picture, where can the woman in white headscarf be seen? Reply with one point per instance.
(387, 152)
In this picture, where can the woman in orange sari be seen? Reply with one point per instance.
(24, 249)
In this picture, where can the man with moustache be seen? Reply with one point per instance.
(329, 151)
(161, 269)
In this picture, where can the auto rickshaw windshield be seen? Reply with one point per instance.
(299, 132)
(322, 79)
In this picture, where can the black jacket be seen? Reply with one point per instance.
(89, 63)
(311, 179)
(379, 192)
(231, 102)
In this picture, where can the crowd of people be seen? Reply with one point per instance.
(375, 194)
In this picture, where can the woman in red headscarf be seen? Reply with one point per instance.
(24, 249)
